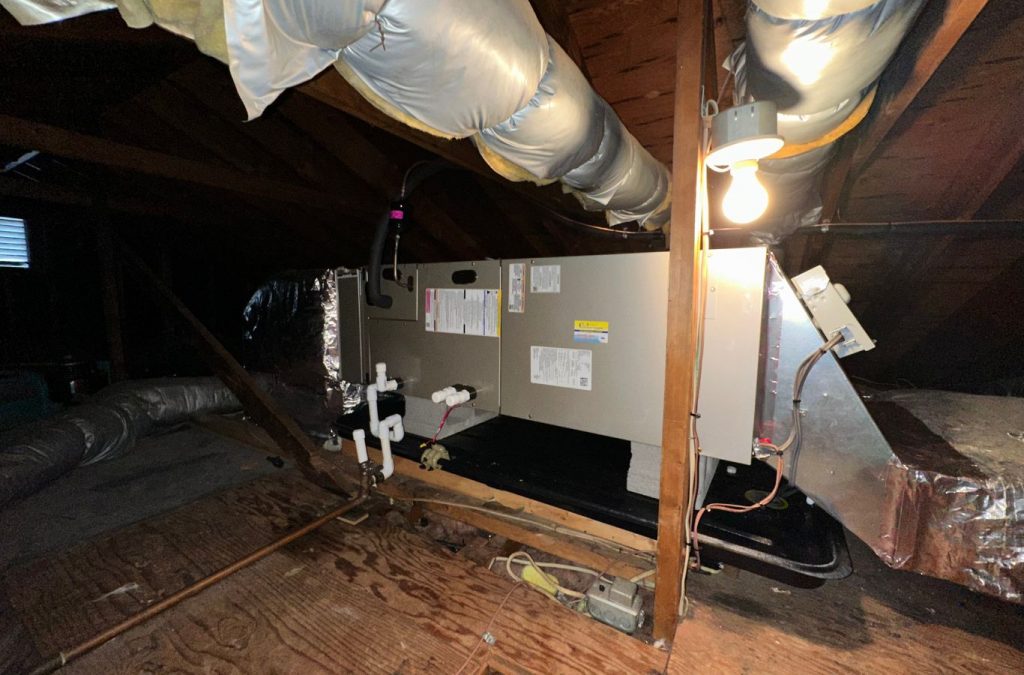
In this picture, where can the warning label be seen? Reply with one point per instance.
(557, 367)
(594, 332)
(517, 288)
(546, 279)
(463, 311)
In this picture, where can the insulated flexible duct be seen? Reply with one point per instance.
(105, 427)
(817, 60)
(457, 69)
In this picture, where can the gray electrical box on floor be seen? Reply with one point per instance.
(616, 602)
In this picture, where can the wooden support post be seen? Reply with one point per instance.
(256, 402)
(111, 288)
(684, 271)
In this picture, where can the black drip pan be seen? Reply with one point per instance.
(796, 543)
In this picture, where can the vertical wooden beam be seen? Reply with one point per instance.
(684, 271)
(111, 289)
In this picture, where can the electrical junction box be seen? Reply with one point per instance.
(616, 602)
(827, 303)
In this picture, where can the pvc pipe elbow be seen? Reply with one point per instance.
(391, 428)
(382, 376)
(396, 429)
(359, 436)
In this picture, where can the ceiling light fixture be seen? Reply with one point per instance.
(741, 136)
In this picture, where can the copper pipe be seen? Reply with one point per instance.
(65, 657)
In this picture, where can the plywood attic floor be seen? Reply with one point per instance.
(383, 596)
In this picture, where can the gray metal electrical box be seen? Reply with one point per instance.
(583, 342)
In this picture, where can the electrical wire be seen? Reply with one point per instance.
(524, 558)
(792, 440)
(444, 419)
(487, 630)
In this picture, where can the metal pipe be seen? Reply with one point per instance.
(65, 657)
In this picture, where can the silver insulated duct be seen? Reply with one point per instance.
(819, 61)
(481, 69)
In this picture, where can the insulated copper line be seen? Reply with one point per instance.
(65, 657)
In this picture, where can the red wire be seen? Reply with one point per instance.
(736, 508)
(440, 426)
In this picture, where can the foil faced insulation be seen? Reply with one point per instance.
(932, 481)
(291, 329)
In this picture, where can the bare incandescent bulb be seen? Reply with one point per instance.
(746, 199)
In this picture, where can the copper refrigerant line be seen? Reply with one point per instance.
(67, 656)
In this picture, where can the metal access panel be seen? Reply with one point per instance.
(583, 342)
(428, 360)
(733, 312)
(351, 320)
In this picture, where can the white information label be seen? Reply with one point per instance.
(557, 367)
(517, 288)
(469, 311)
(546, 279)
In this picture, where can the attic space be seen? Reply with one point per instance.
(511, 336)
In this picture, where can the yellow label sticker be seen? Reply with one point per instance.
(594, 332)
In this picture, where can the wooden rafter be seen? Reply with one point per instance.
(555, 20)
(936, 33)
(92, 149)
(332, 89)
(684, 273)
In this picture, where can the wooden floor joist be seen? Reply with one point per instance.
(542, 526)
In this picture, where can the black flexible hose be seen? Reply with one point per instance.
(414, 176)
(380, 237)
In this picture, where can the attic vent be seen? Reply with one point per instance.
(13, 243)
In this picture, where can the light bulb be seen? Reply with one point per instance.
(746, 199)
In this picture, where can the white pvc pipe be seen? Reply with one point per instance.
(382, 384)
(371, 400)
(359, 436)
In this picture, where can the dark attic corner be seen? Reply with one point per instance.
(511, 336)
